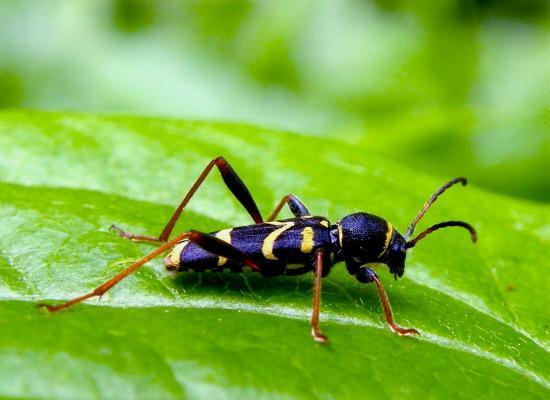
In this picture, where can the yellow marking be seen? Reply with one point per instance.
(307, 240)
(269, 241)
(324, 223)
(389, 233)
(175, 254)
(224, 235)
(278, 223)
(340, 235)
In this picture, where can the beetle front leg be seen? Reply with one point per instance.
(367, 275)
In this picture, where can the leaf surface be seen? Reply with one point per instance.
(65, 178)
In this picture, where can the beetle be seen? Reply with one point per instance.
(292, 246)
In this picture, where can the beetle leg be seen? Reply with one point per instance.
(373, 277)
(206, 241)
(133, 237)
(315, 330)
(296, 206)
(232, 181)
(218, 247)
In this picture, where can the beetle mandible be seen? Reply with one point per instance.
(292, 246)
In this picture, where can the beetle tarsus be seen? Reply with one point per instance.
(318, 336)
(67, 304)
(135, 238)
(46, 306)
(404, 331)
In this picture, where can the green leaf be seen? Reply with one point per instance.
(481, 309)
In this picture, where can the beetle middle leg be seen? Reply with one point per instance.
(207, 242)
(315, 329)
(296, 207)
(232, 181)
(367, 275)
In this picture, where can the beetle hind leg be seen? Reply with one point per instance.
(130, 236)
(231, 180)
(207, 242)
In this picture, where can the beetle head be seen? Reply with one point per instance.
(365, 238)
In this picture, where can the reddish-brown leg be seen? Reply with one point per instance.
(207, 242)
(315, 330)
(136, 238)
(233, 182)
(388, 311)
(296, 206)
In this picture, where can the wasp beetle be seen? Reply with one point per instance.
(292, 246)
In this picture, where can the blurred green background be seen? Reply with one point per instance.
(449, 87)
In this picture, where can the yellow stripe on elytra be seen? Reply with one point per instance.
(340, 235)
(389, 233)
(175, 254)
(306, 246)
(269, 241)
(225, 235)
(324, 223)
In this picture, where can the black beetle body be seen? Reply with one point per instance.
(290, 246)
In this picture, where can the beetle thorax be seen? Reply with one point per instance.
(365, 238)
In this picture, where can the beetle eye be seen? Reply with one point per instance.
(396, 260)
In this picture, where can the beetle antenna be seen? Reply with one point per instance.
(470, 228)
(429, 203)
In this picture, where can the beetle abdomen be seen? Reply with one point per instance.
(273, 245)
